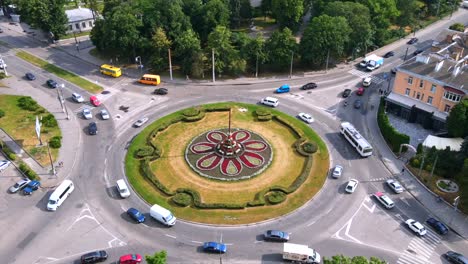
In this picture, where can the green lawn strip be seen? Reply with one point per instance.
(20, 124)
(64, 74)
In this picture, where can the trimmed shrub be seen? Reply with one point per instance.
(196, 118)
(49, 121)
(276, 197)
(182, 199)
(55, 142)
(263, 114)
(457, 26)
(415, 162)
(390, 134)
(217, 108)
(302, 177)
(2, 113)
(194, 111)
(297, 131)
(8, 152)
(144, 151)
(32, 175)
(309, 147)
(146, 171)
(27, 103)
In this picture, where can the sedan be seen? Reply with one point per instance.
(352, 185)
(87, 113)
(346, 93)
(104, 114)
(130, 259)
(389, 54)
(275, 235)
(283, 89)
(4, 164)
(412, 41)
(357, 104)
(306, 117)
(161, 91)
(337, 171)
(19, 185)
(140, 122)
(77, 97)
(31, 187)
(136, 215)
(309, 86)
(94, 257)
(360, 91)
(418, 51)
(52, 84)
(394, 185)
(440, 227)
(92, 128)
(455, 257)
(214, 247)
(30, 76)
(416, 227)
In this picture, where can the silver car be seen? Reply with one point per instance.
(104, 114)
(87, 113)
(141, 121)
(337, 171)
(19, 185)
(395, 185)
(4, 164)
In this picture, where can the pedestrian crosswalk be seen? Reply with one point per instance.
(420, 249)
(363, 75)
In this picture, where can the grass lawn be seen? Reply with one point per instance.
(20, 124)
(172, 170)
(77, 34)
(64, 74)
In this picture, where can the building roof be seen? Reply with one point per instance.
(442, 143)
(79, 14)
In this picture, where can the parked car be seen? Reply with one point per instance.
(412, 41)
(346, 93)
(418, 51)
(440, 227)
(161, 91)
(136, 215)
(416, 227)
(92, 128)
(30, 76)
(337, 171)
(384, 200)
(276, 235)
(77, 97)
(94, 100)
(394, 185)
(360, 91)
(214, 247)
(87, 113)
(4, 164)
(94, 257)
(389, 54)
(141, 121)
(455, 257)
(357, 104)
(52, 84)
(306, 117)
(104, 114)
(309, 86)
(130, 259)
(31, 187)
(351, 186)
(283, 89)
(19, 185)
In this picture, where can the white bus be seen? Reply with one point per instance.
(60, 194)
(357, 141)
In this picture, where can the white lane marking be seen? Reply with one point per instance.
(311, 223)
(198, 242)
(170, 236)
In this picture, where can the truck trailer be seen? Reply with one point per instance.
(374, 63)
(300, 253)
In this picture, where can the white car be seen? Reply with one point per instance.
(4, 164)
(337, 171)
(87, 113)
(19, 185)
(367, 81)
(141, 121)
(352, 185)
(77, 97)
(416, 227)
(104, 114)
(306, 117)
(396, 186)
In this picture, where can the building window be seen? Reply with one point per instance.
(433, 88)
(452, 96)
(418, 96)
(83, 24)
(422, 97)
(410, 80)
(407, 91)
(91, 24)
(429, 100)
(70, 27)
(414, 94)
(77, 25)
(447, 108)
(421, 84)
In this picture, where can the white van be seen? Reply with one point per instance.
(123, 189)
(270, 101)
(367, 81)
(60, 194)
(465, 4)
(162, 215)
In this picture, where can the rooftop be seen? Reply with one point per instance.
(79, 14)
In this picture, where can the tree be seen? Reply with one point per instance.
(199, 64)
(186, 46)
(458, 27)
(160, 45)
(382, 13)
(253, 49)
(93, 6)
(340, 259)
(265, 8)
(408, 9)
(457, 121)
(280, 47)
(288, 13)
(324, 36)
(226, 56)
(158, 258)
(464, 147)
(214, 13)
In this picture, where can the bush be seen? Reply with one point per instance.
(28, 172)
(276, 197)
(27, 103)
(263, 114)
(146, 171)
(458, 27)
(2, 75)
(55, 142)
(297, 131)
(2, 113)
(8, 152)
(182, 199)
(415, 162)
(191, 112)
(419, 149)
(144, 151)
(390, 134)
(309, 147)
(49, 121)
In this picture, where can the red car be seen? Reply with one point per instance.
(360, 91)
(94, 100)
(130, 259)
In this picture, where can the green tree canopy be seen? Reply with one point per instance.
(160, 45)
(186, 45)
(382, 13)
(214, 13)
(280, 47)
(457, 121)
(226, 56)
(158, 258)
(288, 13)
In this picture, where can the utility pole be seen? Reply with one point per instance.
(290, 68)
(328, 56)
(406, 53)
(433, 166)
(170, 64)
(51, 162)
(213, 62)
(256, 67)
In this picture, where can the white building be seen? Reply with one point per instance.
(79, 19)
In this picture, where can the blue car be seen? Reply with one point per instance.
(31, 187)
(283, 89)
(440, 227)
(214, 247)
(136, 215)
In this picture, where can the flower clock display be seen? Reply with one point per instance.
(228, 154)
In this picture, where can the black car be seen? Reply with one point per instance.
(92, 128)
(455, 257)
(389, 54)
(161, 91)
(412, 41)
(275, 235)
(94, 257)
(30, 76)
(346, 93)
(52, 84)
(416, 52)
(440, 227)
(357, 104)
(1, 30)
(309, 86)
(394, 70)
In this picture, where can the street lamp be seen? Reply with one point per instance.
(63, 100)
(138, 60)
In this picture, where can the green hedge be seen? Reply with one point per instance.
(144, 151)
(285, 122)
(146, 171)
(390, 134)
(263, 114)
(55, 142)
(276, 197)
(8, 152)
(182, 199)
(28, 171)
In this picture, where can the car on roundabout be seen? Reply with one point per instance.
(351, 186)
(438, 226)
(52, 84)
(283, 89)
(306, 117)
(4, 164)
(19, 185)
(214, 247)
(337, 171)
(416, 227)
(346, 93)
(87, 113)
(77, 97)
(141, 122)
(276, 235)
(357, 104)
(384, 200)
(30, 76)
(104, 114)
(31, 187)
(395, 185)
(136, 215)
(94, 257)
(309, 86)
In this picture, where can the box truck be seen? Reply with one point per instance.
(300, 253)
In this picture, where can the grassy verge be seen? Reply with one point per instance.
(64, 74)
(79, 34)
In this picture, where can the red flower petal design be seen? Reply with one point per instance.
(255, 145)
(241, 136)
(251, 160)
(231, 167)
(208, 162)
(216, 136)
(203, 147)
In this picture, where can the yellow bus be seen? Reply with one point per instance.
(150, 79)
(107, 69)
